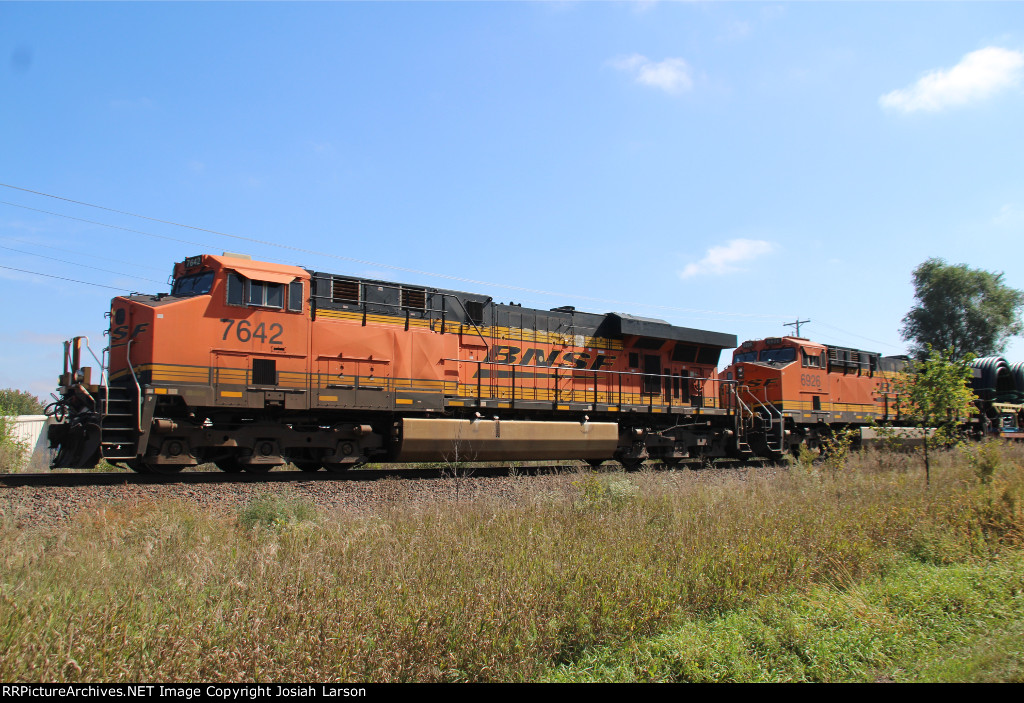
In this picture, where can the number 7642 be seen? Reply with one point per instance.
(244, 331)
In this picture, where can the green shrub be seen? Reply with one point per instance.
(274, 511)
(599, 492)
(13, 452)
(985, 458)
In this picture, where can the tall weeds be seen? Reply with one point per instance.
(471, 591)
(12, 450)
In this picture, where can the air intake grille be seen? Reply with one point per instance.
(345, 291)
(264, 372)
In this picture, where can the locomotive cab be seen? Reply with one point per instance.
(764, 369)
(230, 334)
(779, 383)
(242, 320)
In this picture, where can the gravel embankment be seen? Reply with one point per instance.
(25, 507)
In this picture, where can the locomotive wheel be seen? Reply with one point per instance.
(631, 464)
(229, 465)
(144, 467)
(595, 463)
(137, 466)
(310, 466)
(257, 468)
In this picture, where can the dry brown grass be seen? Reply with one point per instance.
(470, 590)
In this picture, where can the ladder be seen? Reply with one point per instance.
(767, 419)
(742, 412)
(119, 422)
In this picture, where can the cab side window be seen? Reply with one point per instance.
(811, 360)
(263, 294)
(295, 296)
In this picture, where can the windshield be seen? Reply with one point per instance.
(745, 356)
(779, 355)
(196, 284)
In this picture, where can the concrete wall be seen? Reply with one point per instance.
(31, 429)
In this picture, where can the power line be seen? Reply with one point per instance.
(104, 224)
(28, 241)
(362, 262)
(61, 278)
(75, 263)
(860, 336)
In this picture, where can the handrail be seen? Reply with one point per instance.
(138, 388)
(103, 366)
(608, 372)
(740, 425)
(464, 310)
(769, 408)
(428, 313)
(74, 347)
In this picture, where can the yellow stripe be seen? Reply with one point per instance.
(231, 394)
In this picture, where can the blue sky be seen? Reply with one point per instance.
(726, 166)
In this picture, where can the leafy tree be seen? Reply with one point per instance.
(935, 396)
(16, 402)
(961, 309)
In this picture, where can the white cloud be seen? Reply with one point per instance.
(979, 74)
(671, 75)
(724, 259)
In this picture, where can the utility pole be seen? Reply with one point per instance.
(795, 324)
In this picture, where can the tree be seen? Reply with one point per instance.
(15, 402)
(964, 310)
(935, 396)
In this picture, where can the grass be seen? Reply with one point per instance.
(809, 575)
(12, 450)
(921, 622)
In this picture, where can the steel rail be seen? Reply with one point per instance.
(116, 478)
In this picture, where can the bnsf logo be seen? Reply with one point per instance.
(538, 357)
(121, 331)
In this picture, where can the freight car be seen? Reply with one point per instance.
(999, 388)
(251, 365)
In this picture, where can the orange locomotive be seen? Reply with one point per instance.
(791, 391)
(252, 365)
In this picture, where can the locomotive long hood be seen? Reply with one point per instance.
(630, 325)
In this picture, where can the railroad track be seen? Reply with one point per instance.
(116, 478)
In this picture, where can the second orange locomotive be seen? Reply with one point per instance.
(790, 391)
